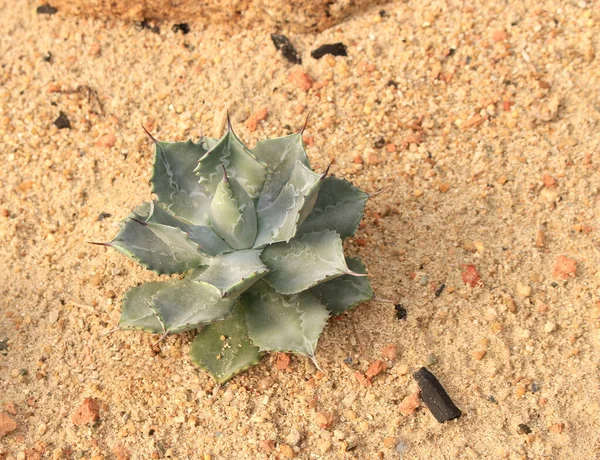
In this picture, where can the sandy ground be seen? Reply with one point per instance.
(483, 121)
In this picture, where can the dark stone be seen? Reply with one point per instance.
(46, 9)
(62, 121)
(335, 49)
(400, 311)
(47, 57)
(523, 429)
(379, 142)
(283, 44)
(103, 215)
(184, 28)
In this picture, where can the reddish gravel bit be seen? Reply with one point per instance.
(94, 49)
(362, 379)
(470, 276)
(256, 118)
(389, 351)
(564, 268)
(106, 141)
(375, 369)
(549, 181)
(324, 420)
(268, 445)
(283, 361)
(89, 411)
(121, 453)
(499, 36)
(7, 425)
(301, 79)
(10, 408)
(557, 428)
(409, 405)
(474, 121)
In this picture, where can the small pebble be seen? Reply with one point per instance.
(564, 268)
(286, 451)
(548, 194)
(293, 438)
(228, 396)
(409, 404)
(301, 79)
(340, 435)
(324, 445)
(549, 327)
(523, 290)
(7, 425)
(324, 420)
(389, 442)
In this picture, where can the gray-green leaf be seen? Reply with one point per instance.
(340, 207)
(280, 154)
(188, 304)
(233, 273)
(284, 323)
(305, 261)
(345, 292)
(223, 348)
(234, 214)
(158, 247)
(280, 220)
(208, 241)
(176, 185)
(137, 312)
(239, 162)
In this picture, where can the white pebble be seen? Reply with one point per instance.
(293, 438)
(549, 327)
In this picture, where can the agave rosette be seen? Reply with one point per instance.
(257, 236)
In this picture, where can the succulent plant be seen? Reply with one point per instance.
(256, 235)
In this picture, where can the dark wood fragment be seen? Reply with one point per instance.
(46, 9)
(435, 397)
(335, 49)
(440, 289)
(283, 44)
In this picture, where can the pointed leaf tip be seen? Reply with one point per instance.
(305, 123)
(379, 192)
(225, 178)
(149, 134)
(229, 126)
(326, 172)
(108, 245)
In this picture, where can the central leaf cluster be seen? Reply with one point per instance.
(257, 236)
